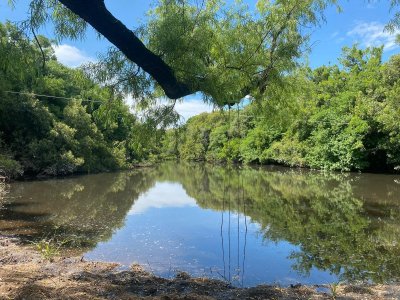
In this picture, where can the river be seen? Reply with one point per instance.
(245, 225)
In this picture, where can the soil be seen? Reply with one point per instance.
(25, 274)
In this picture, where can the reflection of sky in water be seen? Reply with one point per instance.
(166, 231)
(161, 196)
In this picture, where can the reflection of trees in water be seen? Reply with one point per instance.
(236, 269)
(339, 222)
(345, 223)
(83, 210)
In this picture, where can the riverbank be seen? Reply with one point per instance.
(25, 274)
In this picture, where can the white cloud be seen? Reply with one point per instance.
(336, 37)
(191, 107)
(334, 34)
(188, 108)
(162, 195)
(373, 34)
(70, 55)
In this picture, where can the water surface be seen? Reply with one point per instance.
(244, 225)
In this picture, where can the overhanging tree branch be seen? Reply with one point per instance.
(97, 15)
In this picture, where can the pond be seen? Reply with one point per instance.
(245, 225)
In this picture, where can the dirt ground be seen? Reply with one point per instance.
(24, 274)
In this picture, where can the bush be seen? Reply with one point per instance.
(9, 167)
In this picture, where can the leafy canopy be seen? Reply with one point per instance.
(225, 51)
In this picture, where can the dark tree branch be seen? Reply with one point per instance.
(97, 15)
(41, 50)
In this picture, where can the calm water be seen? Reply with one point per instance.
(245, 225)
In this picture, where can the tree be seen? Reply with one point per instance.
(341, 117)
(395, 22)
(246, 48)
(57, 121)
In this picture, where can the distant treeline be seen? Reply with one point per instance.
(341, 117)
(54, 120)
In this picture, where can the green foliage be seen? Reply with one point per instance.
(48, 248)
(334, 117)
(395, 21)
(228, 51)
(334, 289)
(170, 144)
(9, 167)
(80, 127)
(225, 50)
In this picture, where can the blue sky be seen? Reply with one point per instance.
(360, 22)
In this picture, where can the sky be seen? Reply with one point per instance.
(361, 22)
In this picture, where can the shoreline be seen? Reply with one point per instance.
(142, 166)
(25, 274)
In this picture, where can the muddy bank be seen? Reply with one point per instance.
(25, 274)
